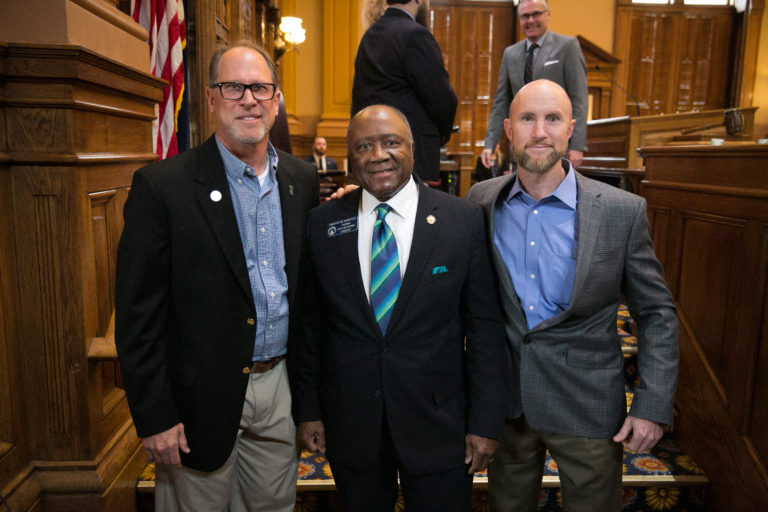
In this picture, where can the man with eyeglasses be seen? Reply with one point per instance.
(208, 288)
(542, 54)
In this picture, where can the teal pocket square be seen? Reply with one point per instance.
(439, 270)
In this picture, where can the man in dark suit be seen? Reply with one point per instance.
(321, 161)
(386, 375)
(399, 63)
(566, 250)
(208, 276)
(542, 54)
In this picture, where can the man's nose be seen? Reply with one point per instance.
(379, 153)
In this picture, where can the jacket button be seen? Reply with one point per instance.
(251, 321)
(246, 370)
(377, 394)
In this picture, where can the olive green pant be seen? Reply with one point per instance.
(589, 470)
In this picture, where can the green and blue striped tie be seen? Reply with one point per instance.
(385, 269)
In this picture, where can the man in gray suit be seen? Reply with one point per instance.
(567, 250)
(542, 54)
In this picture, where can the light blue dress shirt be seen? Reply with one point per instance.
(260, 221)
(537, 241)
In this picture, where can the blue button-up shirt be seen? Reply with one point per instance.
(259, 219)
(537, 242)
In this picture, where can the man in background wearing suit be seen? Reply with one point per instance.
(567, 250)
(318, 157)
(542, 54)
(208, 282)
(399, 63)
(403, 278)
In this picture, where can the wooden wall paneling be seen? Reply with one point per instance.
(704, 60)
(14, 454)
(746, 53)
(82, 125)
(202, 40)
(472, 36)
(675, 58)
(716, 260)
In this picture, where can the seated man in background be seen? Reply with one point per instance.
(319, 158)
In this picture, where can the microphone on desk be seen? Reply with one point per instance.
(631, 96)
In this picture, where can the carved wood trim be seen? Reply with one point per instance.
(707, 189)
(113, 17)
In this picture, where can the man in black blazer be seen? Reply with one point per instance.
(415, 383)
(399, 63)
(318, 158)
(208, 275)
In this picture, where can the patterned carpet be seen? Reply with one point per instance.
(666, 479)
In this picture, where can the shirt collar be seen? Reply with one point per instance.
(565, 191)
(401, 9)
(403, 203)
(540, 42)
(236, 168)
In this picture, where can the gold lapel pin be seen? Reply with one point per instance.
(431, 219)
(290, 189)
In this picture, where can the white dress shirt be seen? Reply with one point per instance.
(401, 219)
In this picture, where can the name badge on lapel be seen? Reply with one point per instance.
(342, 227)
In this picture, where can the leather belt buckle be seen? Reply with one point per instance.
(264, 366)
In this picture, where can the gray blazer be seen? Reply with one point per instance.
(567, 372)
(560, 60)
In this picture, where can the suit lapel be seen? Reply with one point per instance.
(589, 212)
(424, 236)
(292, 228)
(505, 280)
(346, 246)
(212, 180)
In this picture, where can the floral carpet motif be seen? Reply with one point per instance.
(664, 480)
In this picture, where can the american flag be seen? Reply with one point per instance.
(164, 20)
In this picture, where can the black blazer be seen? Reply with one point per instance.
(399, 63)
(184, 308)
(435, 391)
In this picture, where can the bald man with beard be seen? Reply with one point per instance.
(567, 250)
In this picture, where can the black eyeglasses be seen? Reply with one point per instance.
(261, 91)
(532, 16)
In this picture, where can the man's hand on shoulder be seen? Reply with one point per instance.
(478, 452)
(163, 448)
(639, 435)
(341, 192)
(312, 436)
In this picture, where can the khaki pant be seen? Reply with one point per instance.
(589, 470)
(261, 472)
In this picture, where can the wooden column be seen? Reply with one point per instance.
(81, 124)
(342, 30)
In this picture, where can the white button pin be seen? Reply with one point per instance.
(215, 196)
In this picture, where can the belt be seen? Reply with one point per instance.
(263, 366)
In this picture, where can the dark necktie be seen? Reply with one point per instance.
(385, 269)
(528, 74)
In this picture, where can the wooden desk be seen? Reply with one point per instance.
(708, 207)
(613, 142)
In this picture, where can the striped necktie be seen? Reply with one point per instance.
(385, 269)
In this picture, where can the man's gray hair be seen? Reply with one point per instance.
(213, 67)
(546, 4)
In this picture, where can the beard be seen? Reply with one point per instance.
(251, 138)
(538, 165)
(422, 15)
